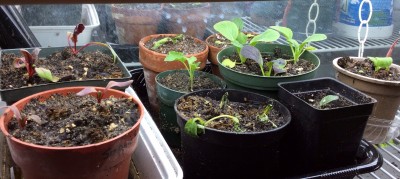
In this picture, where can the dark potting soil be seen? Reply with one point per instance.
(180, 82)
(292, 69)
(187, 46)
(64, 65)
(75, 120)
(207, 108)
(313, 98)
(366, 68)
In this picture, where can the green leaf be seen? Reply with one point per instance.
(227, 29)
(315, 38)
(327, 99)
(173, 56)
(160, 42)
(237, 44)
(286, 32)
(191, 59)
(228, 63)
(242, 38)
(239, 23)
(46, 74)
(267, 36)
(269, 66)
(294, 43)
(310, 48)
(192, 128)
(381, 62)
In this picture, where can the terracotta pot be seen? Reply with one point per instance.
(106, 160)
(134, 24)
(190, 21)
(153, 63)
(387, 93)
(212, 56)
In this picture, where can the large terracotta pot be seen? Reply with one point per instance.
(387, 93)
(134, 24)
(153, 63)
(105, 160)
(190, 21)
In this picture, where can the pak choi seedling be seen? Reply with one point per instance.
(191, 65)
(253, 53)
(263, 117)
(102, 93)
(328, 99)
(196, 126)
(164, 40)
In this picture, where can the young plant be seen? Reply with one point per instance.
(328, 99)
(196, 126)
(102, 93)
(296, 48)
(22, 119)
(74, 38)
(46, 74)
(384, 62)
(27, 61)
(253, 53)
(232, 30)
(164, 40)
(191, 65)
(264, 116)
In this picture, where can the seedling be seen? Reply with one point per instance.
(191, 65)
(224, 101)
(164, 40)
(22, 119)
(102, 93)
(46, 74)
(264, 116)
(74, 38)
(328, 99)
(384, 62)
(196, 126)
(296, 48)
(27, 61)
(253, 53)
(232, 30)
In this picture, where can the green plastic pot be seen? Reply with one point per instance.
(263, 83)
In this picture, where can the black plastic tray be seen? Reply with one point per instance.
(368, 158)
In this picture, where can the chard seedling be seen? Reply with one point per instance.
(328, 99)
(253, 53)
(232, 30)
(196, 126)
(384, 62)
(296, 48)
(22, 119)
(46, 74)
(164, 40)
(27, 61)
(191, 65)
(264, 116)
(101, 93)
(74, 38)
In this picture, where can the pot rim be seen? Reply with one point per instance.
(14, 139)
(364, 78)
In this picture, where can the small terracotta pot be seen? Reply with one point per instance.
(212, 56)
(106, 160)
(153, 63)
(134, 24)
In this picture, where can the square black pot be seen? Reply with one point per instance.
(322, 139)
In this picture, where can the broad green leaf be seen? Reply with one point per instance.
(191, 59)
(286, 32)
(227, 29)
(239, 23)
(327, 99)
(242, 38)
(192, 128)
(315, 38)
(381, 62)
(267, 36)
(228, 63)
(173, 56)
(252, 53)
(294, 43)
(237, 44)
(46, 74)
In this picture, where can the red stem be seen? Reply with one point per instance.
(389, 53)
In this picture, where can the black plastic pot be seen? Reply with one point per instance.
(222, 154)
(12, 95)
(323, 139)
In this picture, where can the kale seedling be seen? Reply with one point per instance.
(253, 53)
(327, 99)
(101, 93)
(74, 38)
(232, 30)
(22, 119)
(384, 62)
(196, 126)
(298, 49)
(264, 116)
(191, 66)
(164, 40)
(28, 61)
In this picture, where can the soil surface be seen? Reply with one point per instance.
(223, 41)
(207, 108)
(313, 98)
(64, 65)
(75, 120)
(180, 82)
(366, 68)
(292, 69)
(187, 46)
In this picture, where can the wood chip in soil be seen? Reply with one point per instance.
(187, 46)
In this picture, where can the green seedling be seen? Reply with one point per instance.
(263, 117)
(384, 62)
(46, 74)
(232, 30)
(328, 99)
(164, 40)
(196, 126)
(191, 65)
(296, 48)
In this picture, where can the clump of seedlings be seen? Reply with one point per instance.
(278, 65)
(189, 62)
(165, 40)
